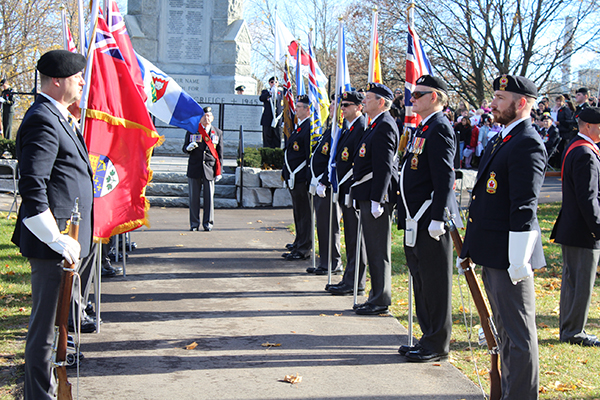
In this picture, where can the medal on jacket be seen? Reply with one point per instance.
(345, 154)
(492, 184)
(363, 150)
(418, 145)
(414, 162)
(295, 146)
(325, 148)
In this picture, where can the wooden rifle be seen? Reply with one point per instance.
(62, 315)
(487, 323)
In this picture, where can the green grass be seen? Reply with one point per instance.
(15, 307)
(566, 371)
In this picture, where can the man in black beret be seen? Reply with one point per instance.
(427, 179)
(55, 170)
(204, 168)
(7, 99)
(351, 133)
(581, 98)
(272, 120)
(503, 233)
(375, 174)
(240, 89)
(577, 228)
(295, 174)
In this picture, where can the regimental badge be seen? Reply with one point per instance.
(492, 184)
(363, 150)
(345, 95)
(106, 177)
(345, 154)
(414, 162)
(295, 146)
(418, 145)
(503, 82)
(158, 85)
(325, 148)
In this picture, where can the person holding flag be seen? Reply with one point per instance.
(55, 170)
(295, 174)
(354, 127)
(205, 149)
(426, 180)
(272, 117)
(374, 190)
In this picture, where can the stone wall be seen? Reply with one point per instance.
(261, 188)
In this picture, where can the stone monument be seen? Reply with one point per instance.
(205, 46)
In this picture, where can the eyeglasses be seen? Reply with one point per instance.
(346, 104)
(418, 95)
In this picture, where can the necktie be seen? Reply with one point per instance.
(72, 122)
(497, 142)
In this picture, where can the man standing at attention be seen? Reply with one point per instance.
(348, 141)
(272, 121)
(426, 181)
(374, 190)
(503, 234)
(577, 228)
(204, 168)
(295, 174)
(55, 170)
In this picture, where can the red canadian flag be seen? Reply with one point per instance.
(120, 137)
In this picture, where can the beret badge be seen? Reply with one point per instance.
(503, 82)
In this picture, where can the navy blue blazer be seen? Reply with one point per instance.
(267, 116)
(202, 164)
(344, 157)
(297, 149)
(55, 169)
(429, 167)
(578, 223)
(376, 153)
(505, 198)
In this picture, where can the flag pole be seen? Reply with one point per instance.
(371, 77)
(411, 8)
(63, 18)
(81, 28)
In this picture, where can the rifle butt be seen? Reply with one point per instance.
(495, 383)
(64, 387)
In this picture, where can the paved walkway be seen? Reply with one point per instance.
(230, 292)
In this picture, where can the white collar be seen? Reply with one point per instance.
(510, 127)
(353, 121)
(63, 110)
(427, 118)
(377, 116)
(301, 122)
(207, 128)
(586, 138)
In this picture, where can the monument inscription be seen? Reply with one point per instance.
(187, 31)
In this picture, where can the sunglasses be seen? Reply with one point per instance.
(418, 95)
(347, 104)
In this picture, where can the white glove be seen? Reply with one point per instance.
(218, 178)
(44, 227)
(520, 249)
(459, 267)
(376, 209)
(436, 229)
(191, 146)
(321, 190)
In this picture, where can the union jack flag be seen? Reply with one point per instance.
(417, 64)
(105, 43)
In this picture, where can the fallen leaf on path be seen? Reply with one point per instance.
(563, 387)
(293, 378)
(322, 315)
(338, 315)
(267, 344)
(191, 346)
(259, 221)
(178, 245)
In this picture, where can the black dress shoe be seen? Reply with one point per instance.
(88, 325)
(359, 305)
(405, 349)
(89, 309)
(345, 290)
(293, 256)
(289, 246)
(371, 309)
(323, 271)
(109, 271)
(311, 270)
(588, 341)
(423, 356)
(194, 229)
(208, 228)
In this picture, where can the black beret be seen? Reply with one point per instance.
(273, 78)
(241, 87)
(591, 115)
(353, 97)
(582, 90)
(303, 99)
(207, 109)
(381, 90)
(60, 63)
(433, 82)
(516, 84)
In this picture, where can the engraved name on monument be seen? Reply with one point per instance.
(187, 32)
